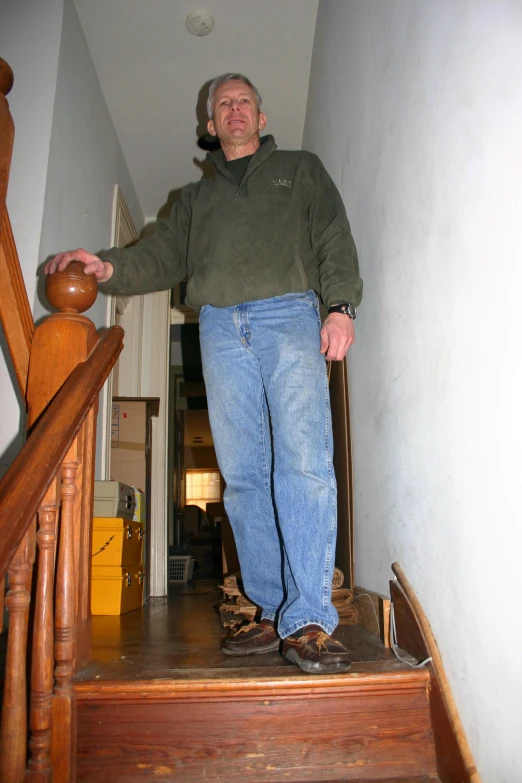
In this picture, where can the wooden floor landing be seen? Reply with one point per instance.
(178, 637)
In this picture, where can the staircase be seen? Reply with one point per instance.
(260, 723)
(160, 702)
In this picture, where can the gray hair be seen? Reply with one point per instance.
(223, 79)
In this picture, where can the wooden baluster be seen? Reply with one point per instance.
(84, 544)
(14, 708)
(64, 703)
(42, 669)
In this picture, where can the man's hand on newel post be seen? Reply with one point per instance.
(102, 270)
(337, 335)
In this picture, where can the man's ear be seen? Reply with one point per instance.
(262, 121)
(211, 129)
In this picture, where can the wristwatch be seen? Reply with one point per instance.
(346, 308)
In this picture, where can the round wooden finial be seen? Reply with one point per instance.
(6, 77)
(71, 291)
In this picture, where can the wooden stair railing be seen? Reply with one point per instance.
(44, 481)
(46, 501)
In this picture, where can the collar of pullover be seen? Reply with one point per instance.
(264, 151)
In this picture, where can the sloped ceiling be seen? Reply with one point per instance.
(152, 72)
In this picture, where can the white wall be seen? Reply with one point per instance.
(30, 33)
(85, 163)
(416, 110)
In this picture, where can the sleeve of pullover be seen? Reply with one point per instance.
(332, 241)
(157, 262)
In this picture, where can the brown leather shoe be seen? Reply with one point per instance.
(315, 652)
(252, 639)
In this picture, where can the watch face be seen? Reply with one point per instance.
(349, 310)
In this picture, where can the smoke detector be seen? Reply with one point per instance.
(200, 23)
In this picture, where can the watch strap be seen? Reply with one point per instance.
(346, 308)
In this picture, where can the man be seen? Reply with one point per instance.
(256, 242)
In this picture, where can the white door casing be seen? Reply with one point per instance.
(142, 370)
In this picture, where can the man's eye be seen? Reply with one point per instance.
(245, 100)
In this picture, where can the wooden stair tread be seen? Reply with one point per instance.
(180, 637)
(265, 680)
(387, 780)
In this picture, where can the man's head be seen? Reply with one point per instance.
(233, 108)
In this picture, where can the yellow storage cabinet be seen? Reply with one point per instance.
(116, 589)
(116, 542)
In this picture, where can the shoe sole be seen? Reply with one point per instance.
(315, 667)
(259, 651)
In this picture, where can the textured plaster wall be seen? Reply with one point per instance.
(416, 110)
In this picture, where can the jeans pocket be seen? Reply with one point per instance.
(308, 297)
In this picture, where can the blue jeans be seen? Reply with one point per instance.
(269, 411)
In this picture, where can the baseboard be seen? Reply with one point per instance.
(373, 612)
(455, 762)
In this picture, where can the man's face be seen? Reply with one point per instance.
(236, 117)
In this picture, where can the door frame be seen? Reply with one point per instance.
(144, 364)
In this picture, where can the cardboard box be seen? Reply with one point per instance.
(128, 449)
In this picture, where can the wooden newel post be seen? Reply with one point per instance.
(59, 344)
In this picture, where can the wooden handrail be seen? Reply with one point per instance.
(25, 484)
(6, 130)
(15, 311)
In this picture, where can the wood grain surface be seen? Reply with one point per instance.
(455, 763)
(374, 732)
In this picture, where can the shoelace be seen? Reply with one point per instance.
(321, 638)
(245, 628)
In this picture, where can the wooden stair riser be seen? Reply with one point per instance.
(363, 731)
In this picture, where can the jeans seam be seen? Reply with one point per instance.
(263, 442)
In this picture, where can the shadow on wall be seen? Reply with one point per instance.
(205, 142)
(13, 448)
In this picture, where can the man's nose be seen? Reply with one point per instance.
(234, 105)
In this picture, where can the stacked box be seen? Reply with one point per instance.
(139, 511)
(113, 499)
(117, 550)
(116, 589)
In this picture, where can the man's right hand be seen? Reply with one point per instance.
(102, 270)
